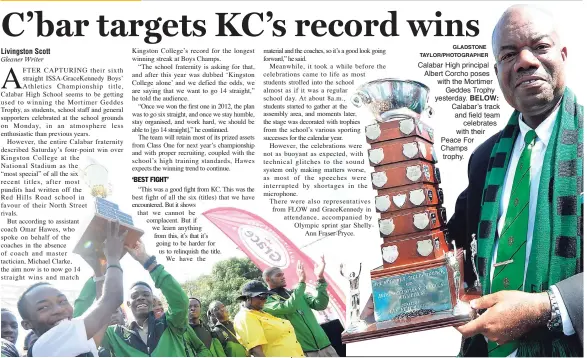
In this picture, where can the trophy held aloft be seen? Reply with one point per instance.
(419, 285)
(92, 239)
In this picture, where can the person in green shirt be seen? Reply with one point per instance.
(46, 310)
(148, 336)
(223, 328)
(200, 330)
(296, 306)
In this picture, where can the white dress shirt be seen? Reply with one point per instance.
(67, 339)
(543, 134)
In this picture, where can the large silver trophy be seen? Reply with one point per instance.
(420, 284)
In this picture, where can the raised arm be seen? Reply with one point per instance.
(320, 301)
(113, 296)
(86, 298)
(91, 292)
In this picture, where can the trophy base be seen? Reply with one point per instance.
(93, 237)
(461, 308)
(358, 326)
(373, 329)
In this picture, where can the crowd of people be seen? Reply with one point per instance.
(273, 321)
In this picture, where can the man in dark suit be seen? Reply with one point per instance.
(523, 204)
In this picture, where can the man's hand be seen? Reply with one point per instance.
(112, 296)
(300, 271)
(138, 252)
(319, 270)
(509, 315)
(114, 245)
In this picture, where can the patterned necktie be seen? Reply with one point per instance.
(511, 252)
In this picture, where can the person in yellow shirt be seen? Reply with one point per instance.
(262, 334)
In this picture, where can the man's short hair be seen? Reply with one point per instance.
(22, 311)
(141, 283)
(193, 298)
(270, 272)
(530, 8)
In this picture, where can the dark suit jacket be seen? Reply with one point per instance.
(465, 222)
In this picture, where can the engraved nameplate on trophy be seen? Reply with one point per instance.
(417, 292)
(415, 248)
(411, 221)
(411, 298)
(404, 173)
(401, 150)
(408, 197)
(381, 132)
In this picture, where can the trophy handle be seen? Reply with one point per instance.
(430, 111)
(359, 98)
(477, 283)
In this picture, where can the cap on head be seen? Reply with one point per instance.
(252, 289)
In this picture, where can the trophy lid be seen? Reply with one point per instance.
(390, 99)
(394, 79)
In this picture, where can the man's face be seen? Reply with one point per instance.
(195, 309)
(46, 307)
(258, 302)
(222, 313)
(530, 61)
(141, 301)
(9, 327)
(277, 280)
(157, 307)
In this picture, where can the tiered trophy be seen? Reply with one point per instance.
(92, 240)
(420, 284)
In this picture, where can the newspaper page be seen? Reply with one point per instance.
(291, 178)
